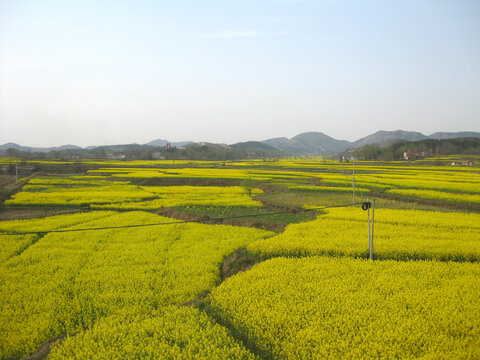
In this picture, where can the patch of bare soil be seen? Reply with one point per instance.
(285, 207)
(172, 213)
(52, 168)
(271, 188)
(240, 260)
(176, 214)
(13, 213)
(6, 180)
(9, 186)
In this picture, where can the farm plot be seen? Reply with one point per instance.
(171, 196)
(167, 333)
(203, 173)
(470, 199)
(102, 194)
(398, 234)
(11, 246)
(324, 308)
(65, 282)
(126, 292)
(49, 195)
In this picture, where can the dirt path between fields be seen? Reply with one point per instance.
(44, 349)
(240, 260)
(9, 187)
(14, 213)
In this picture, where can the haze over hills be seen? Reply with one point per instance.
(388, 136)
(163, 142)
(11, 145)
(285, 144)
(317, 143)
(308, 143)
(449, 135)
(420, 148)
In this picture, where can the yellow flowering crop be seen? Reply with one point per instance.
(473, 199)
(14, 245)
(79, 196)
(65, 282)
(323, 308)
(203, 173)
(398, 234)
(170, 196)
(167, 333)
(52, 222)
(73, 181)
(328, 189)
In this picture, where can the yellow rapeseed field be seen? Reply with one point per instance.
(398, 234)
(65, 282)
(166, 333)
(128, 292)
(324, 308)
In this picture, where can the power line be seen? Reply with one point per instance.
(180, 222)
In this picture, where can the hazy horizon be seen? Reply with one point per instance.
(197, 141)
(100, 73)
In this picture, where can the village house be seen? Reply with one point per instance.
(409, 155)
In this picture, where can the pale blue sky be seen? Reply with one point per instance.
(106, 72)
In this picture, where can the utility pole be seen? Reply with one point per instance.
(16, 172)
(371, 234)
(369, 229)
(353, 182)
(366, 206)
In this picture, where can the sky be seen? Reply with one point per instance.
(96, 72)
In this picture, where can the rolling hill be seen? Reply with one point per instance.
(308, 143)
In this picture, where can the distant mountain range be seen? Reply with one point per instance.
(317, 143)
(11, 145)
(162, 142)
(309, 143)
(389, 137)
(409, 150)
